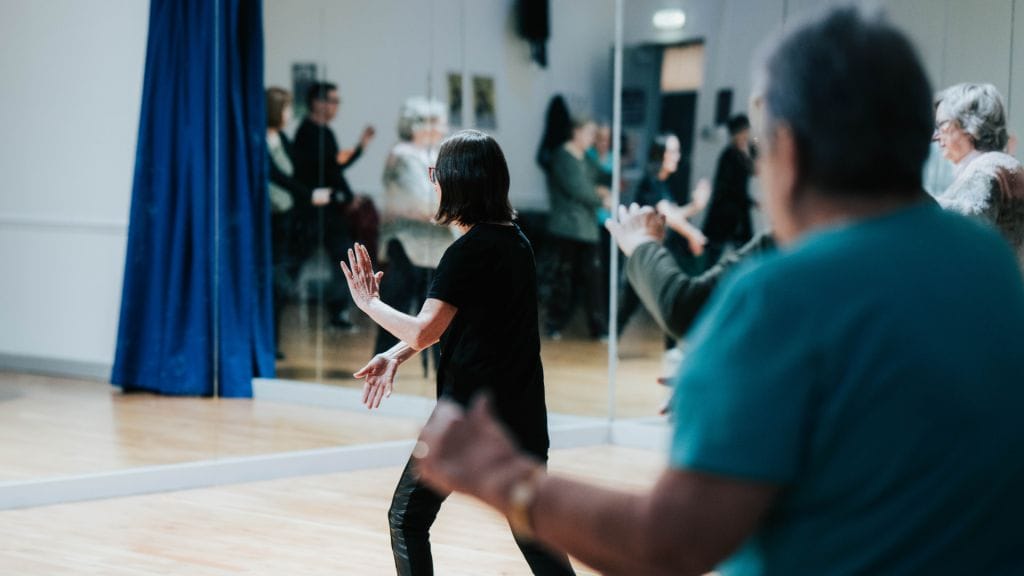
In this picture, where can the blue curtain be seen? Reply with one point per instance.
(196, 300)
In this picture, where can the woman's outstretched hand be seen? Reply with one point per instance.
(380, 379)
(363, 282)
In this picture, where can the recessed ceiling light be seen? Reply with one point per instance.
(671, 19)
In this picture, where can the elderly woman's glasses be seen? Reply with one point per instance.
(941, 126)
(432, 174)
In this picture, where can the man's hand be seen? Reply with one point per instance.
(321, 197)
(367, 136)
(636, 226)
(469, 451)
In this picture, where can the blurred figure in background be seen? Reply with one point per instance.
(728, 220)
(988, 184)
(288, 197)
(601, 151)
(320, 162)
(686, 241)
(413, 244)
(575, 201)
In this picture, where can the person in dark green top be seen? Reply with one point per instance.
(572, 223)
(851, 404)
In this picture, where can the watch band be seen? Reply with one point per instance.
(521, 498)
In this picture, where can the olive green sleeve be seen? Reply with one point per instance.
(671, 296)
(572, 179)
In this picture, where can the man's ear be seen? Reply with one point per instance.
(787, 164)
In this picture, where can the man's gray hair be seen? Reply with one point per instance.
(978, 109)
(855, 95)
(417, 112)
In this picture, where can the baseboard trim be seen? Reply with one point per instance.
(566, 431)
(85, 370)
(202, 474)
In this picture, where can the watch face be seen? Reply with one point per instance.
(521, 493)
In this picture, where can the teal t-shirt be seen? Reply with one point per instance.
(875, 373)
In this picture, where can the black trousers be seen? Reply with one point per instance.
(325, 226)
(577, 273)
(413, 510)
(284, 266)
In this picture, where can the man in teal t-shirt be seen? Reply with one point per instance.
(861, 373)
(854, 403)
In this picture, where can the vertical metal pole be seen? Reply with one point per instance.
(464, 68)
(216, 198)
(613, 280)
(1009, 83)
(321, 316)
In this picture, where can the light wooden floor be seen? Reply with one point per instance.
(56, 426)
(333, 524)
(575, 368)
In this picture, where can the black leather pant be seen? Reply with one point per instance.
(413, 510)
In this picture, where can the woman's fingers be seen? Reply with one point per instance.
(365, 370)
(378, 393)
(366, 257)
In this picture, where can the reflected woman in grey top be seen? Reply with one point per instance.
(988, 183)
(412, 243)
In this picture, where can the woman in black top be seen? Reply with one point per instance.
(482, 306)
(728, 221)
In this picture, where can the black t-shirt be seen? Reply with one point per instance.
(493, 343)
(728, 216)
(651, 190)
(315, 158)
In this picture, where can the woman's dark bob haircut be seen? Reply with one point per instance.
(474, 180)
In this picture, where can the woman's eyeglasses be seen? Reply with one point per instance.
(432, 174)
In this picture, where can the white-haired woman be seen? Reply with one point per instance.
(412, 244)
(988, 184)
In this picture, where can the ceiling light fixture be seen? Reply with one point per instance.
(670, 19)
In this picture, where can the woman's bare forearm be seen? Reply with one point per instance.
(400, 352)
(408, 329)
(420, 331)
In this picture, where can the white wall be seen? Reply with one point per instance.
(72, 81)
(379, 53)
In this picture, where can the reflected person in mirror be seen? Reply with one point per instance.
(320, 162)
(286, 192)
(413, 244)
